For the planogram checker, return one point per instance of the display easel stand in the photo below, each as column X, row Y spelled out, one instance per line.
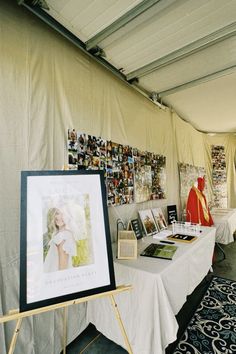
column 18, row 316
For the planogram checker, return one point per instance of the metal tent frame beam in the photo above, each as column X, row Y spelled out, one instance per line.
column 198, row 81
column 45, row 17
column 120, row 22
column 202, row 43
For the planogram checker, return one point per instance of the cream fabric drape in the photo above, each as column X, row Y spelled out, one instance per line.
column 189, row 143
column 47, row 86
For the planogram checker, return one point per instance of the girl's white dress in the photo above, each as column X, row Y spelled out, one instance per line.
column 51, row 263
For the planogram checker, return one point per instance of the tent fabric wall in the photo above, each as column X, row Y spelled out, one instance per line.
column 189, row 143
column 47, row 86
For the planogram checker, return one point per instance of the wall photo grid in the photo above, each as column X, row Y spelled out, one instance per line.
column 219, row 178
column 132, row 175
column 188, row 175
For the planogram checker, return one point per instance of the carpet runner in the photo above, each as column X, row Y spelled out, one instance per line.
column 212, row 329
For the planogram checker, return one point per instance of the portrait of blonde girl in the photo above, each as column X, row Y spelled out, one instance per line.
column 59, row 242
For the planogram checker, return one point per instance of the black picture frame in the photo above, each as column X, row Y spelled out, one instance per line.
column 135, row 226
column 65, row 244
column 148, row 222
column 171, row 214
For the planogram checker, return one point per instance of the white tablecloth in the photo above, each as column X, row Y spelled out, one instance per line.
column 225, row 223
column 160, row 288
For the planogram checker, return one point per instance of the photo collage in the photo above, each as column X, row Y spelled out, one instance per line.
column 131, row 175
column 219, row 180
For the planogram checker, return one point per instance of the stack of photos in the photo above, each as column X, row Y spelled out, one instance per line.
column 153, row 221
column 219, row 180
column 188, row 175
column 131, row 175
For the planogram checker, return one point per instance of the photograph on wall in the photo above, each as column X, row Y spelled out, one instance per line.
column 96, row 148
column 219, row 179
column 85, row 151
column 158, row 164
column 120, row 185
column 148, row 222
column 72, row 140
column 72, row 146
column 159, row 218
column 142, row 177
column 65, row 250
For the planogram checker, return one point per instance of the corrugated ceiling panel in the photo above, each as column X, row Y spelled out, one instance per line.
column 87, row 18
column 162, row 6
column 167, row 26
column 192, row 67
column 181, row 23
column 210, row 106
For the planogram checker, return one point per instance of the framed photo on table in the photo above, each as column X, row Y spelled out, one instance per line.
column 148, row 222
column 171, row 214
column 159, row 218
column 135, row 226
column 65, row 246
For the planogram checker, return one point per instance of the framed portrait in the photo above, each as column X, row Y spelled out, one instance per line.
column 65, row 245
column 148, row 222
column 159, row 219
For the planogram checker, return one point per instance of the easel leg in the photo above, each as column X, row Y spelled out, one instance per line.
column 115, row 307
column 65, row 313
column 15, row 336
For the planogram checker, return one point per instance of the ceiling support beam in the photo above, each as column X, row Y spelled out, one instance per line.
column 201, row 80
column 45, row 17
column 202, row 43
column 120, row 22
column 36, row 10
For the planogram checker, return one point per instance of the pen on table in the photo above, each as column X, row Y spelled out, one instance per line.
column 169, row 242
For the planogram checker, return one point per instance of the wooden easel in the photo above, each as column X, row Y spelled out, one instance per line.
column 18, row 316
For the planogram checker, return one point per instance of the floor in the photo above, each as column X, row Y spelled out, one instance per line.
column 93, row 342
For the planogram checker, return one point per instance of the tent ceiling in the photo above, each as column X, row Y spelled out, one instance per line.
column 179, row 52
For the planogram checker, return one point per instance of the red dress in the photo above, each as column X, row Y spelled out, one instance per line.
column 197, row 210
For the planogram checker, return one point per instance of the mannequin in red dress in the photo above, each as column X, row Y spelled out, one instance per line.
column 197, row 210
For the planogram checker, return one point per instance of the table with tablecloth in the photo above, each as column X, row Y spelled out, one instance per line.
column 225, row 223
column 160, row 288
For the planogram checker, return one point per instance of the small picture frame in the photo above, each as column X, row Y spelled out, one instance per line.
column 171, row 214
column 65, row 246
column 135, row 226
column 148, row 222
column 159, row 218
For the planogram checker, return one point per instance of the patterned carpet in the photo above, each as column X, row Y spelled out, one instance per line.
column 212, row 329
